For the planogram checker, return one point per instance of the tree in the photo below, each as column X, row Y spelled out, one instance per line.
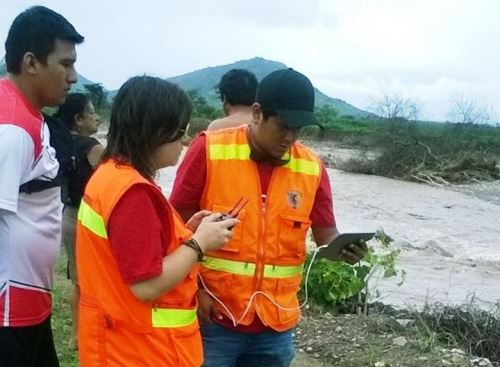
column 97, row 95
column 326, row 115
column 469, row 109
column 396, row 107
column 201, row 108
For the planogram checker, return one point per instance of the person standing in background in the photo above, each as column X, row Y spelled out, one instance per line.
column 237, row 92
column 79, row 115
column 40, row 57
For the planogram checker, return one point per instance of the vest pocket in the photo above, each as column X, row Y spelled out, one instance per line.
column 187, row 345
column 286, row 296
column 92, row 336
column 291, row 237
column 233, row 245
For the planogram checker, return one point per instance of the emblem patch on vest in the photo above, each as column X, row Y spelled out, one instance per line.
column 294, row 199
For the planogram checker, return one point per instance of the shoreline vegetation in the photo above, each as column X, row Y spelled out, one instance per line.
column 431, row 152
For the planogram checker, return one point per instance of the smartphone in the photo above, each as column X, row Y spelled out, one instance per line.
column 333, row 249
column 233, row 213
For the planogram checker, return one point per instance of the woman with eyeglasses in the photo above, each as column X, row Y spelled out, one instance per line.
column 137, row 260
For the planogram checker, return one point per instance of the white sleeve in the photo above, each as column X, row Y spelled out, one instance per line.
column 16, row 159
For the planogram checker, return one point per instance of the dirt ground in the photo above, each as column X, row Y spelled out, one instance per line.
column 375, row 340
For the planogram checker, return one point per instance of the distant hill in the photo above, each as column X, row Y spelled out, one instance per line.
column 78, row 87
column 205, row 82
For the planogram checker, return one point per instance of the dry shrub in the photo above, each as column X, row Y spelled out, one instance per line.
column 476, row 331
column 414, row 160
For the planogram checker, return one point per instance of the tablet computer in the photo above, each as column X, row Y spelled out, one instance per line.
column 344, row 239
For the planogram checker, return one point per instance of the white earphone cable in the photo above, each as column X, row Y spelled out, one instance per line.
column 233, row 318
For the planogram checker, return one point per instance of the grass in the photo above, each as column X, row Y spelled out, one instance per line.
column 61, row 317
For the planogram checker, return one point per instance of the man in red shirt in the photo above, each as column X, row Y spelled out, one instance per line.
column 40, row 57
column 237, row 92
column 249, row 316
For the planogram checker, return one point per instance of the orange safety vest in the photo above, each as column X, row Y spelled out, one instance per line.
column 116, row 328
column 267, row 251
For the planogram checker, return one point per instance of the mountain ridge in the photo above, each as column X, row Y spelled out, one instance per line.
column 205, row 81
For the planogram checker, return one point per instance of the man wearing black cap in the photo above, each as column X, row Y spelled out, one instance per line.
column 248, row 298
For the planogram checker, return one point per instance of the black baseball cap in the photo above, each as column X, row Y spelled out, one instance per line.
column 291, row 95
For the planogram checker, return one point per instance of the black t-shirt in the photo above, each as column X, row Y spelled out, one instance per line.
column 84, row 170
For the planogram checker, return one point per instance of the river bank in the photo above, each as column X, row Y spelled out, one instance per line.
column 449, row 236
column 450, row 250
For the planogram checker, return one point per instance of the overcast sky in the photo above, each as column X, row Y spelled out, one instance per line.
column 355, row 50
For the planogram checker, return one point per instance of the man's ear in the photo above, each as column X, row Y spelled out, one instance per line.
column 29, row 63
column 256, row 113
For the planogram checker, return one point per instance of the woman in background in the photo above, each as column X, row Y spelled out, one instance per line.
column 137, row 260
column 79, row 115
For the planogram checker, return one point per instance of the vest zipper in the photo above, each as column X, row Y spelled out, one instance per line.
column 260, row 247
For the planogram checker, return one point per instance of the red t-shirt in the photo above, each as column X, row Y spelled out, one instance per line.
column 138, row 236
column 192, row 173
column 188, row 189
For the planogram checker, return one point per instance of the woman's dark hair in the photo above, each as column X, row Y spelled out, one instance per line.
column 146, row 113
column 36, row 30
column 74, row 104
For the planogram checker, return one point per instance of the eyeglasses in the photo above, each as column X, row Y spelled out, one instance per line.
column 178, row 134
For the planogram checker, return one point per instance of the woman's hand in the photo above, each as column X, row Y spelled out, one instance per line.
column 196, row 219
column 213, row 233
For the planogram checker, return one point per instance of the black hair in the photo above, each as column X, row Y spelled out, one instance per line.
column 267, row 111
column 146, row 113
column 238, row 87
column 36, row 30
column 74, row 104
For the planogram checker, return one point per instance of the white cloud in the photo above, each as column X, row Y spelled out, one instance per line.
column 350, row 49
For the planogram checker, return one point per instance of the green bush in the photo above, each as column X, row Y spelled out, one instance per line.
column 197, row 125
column 345, row 287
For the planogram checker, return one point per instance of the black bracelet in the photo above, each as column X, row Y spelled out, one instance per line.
column 195, row 246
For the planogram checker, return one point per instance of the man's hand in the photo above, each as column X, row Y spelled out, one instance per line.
column 354, row 252
column 207, row 308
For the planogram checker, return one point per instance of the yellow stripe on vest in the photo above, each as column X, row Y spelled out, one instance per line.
column 242, row 268
column 91, row 220
column 171, row 318
column 303, row 166
column 230, row 151
column 229, row 266
column 274, row 271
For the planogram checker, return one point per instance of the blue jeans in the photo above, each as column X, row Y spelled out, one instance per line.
column 227, row 348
